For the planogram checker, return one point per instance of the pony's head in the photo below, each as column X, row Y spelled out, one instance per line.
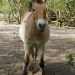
column 39, row 11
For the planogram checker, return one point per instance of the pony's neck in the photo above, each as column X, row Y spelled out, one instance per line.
column 26, row 16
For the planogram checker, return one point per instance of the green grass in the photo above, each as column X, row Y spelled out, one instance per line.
column 4, row 6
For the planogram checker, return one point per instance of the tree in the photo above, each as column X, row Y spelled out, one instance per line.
column 70, row 7
column 18, row 8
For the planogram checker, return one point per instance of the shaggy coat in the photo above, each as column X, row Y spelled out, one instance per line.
column 32, row 37
column 29, row 34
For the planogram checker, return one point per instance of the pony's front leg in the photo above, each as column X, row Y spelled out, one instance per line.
column 26, row 63
column 26, row 59
column 42, row 63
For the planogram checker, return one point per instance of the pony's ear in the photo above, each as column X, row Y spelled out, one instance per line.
column 39, row 1
column 45, row 0
column 30, row 5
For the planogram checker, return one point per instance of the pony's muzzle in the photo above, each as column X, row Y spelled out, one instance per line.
column 42, row 27
column 41, row 24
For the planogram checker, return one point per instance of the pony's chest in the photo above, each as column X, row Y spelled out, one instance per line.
column 33, row 34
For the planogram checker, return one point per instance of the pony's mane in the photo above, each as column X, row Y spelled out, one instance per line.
column 26, row 16
column 34, row 1
column 38, row 1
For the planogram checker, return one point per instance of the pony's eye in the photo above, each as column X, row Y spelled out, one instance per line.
column 33, row 9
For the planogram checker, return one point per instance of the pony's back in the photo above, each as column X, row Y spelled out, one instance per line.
column 24, row 22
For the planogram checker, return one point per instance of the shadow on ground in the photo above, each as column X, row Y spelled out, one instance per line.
column 58, row 69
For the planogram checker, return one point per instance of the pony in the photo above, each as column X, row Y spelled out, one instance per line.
column 34, row 32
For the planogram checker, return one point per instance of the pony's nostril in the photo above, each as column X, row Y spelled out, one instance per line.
column 41, row 25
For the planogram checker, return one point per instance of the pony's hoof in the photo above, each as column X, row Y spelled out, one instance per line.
column 34, row 68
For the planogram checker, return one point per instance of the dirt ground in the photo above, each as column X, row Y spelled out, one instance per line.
column 61, row 42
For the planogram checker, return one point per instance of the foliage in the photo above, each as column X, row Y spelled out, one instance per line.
column 70, row 7
column 16, row 8
column 70, row 59
column 59, row 4
column 56, row 4
column 1, row 2
column 65, row 9
column 4, row 6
